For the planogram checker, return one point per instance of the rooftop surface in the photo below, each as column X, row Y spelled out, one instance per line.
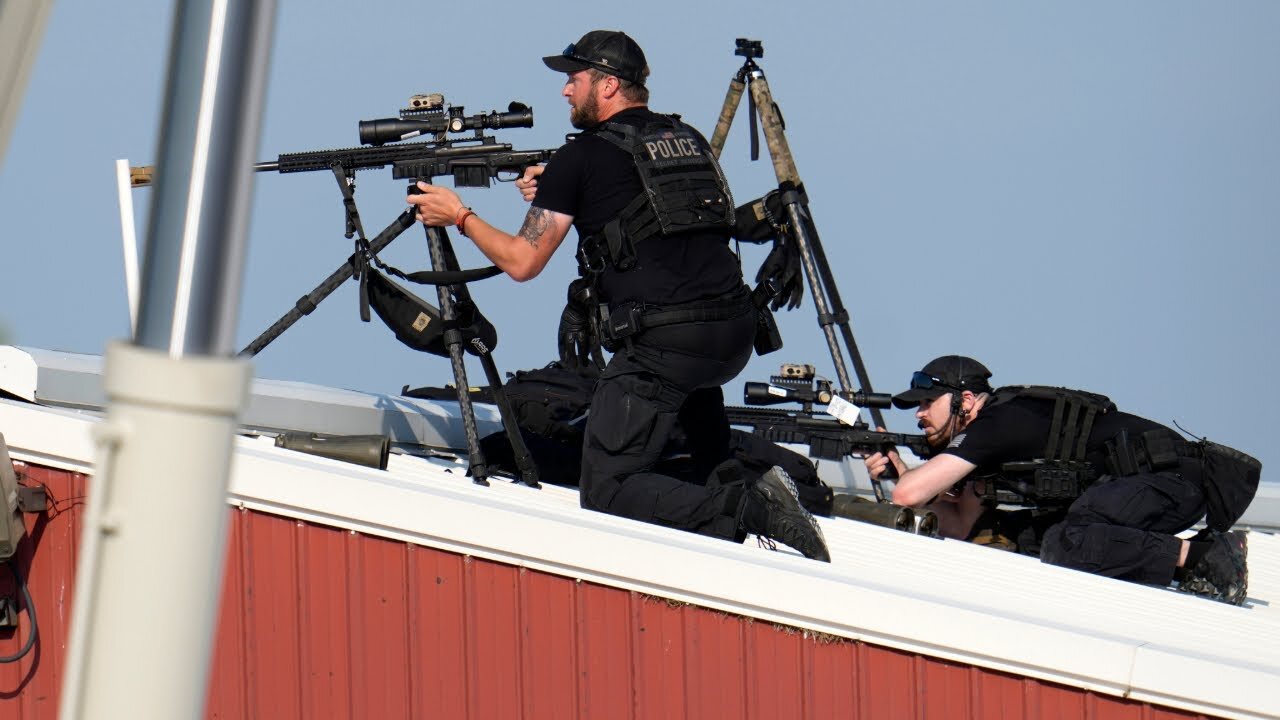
column 942, row 598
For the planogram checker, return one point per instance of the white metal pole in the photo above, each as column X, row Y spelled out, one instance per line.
column 129, row 237
column 152, row 547
column 21, row 30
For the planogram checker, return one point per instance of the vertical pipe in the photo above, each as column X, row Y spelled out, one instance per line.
column 195, row 236
column 129, row 239
column 21, row 30
column 153, row 544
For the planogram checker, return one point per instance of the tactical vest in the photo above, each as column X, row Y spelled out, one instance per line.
column 684, row 191
column 1062, row 473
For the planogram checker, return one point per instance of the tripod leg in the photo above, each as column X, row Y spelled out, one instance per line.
column 816, row 269
column 308, row 302
column 842, row 318
column 437, row 242
column 784, row 166
column 801, row 236
column 785, row 169
column 727, row 111
column 524, row 460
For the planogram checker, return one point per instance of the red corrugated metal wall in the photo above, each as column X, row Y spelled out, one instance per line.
column 324, row 623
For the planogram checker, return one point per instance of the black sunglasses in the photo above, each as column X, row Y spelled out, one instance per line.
column 925, row 381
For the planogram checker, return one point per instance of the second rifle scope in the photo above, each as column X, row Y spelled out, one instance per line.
column 758, row 393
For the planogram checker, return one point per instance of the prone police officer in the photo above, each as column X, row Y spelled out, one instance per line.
column 658, row 282
column 1124, row 485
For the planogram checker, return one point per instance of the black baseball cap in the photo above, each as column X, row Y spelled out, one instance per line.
column 949, row 373
column 609, row 51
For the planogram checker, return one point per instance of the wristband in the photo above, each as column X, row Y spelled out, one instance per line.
column 461, row 222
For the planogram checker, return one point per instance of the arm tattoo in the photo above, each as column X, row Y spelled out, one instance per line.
column 535, row 223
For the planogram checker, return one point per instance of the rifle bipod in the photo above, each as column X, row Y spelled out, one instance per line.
column 444, row 260
column 817, row 271
column 450, row 281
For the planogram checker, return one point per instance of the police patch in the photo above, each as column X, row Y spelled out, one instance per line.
column 955, row 441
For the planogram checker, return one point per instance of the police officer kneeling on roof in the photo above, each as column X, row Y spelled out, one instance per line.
column 1124, row 485
column 653, row 214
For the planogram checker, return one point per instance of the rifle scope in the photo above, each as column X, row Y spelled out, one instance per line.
column 385, row 130
column 758, row 393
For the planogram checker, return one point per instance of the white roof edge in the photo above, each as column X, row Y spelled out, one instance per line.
column 19, row 370
column 74, row 380
column 421, row 502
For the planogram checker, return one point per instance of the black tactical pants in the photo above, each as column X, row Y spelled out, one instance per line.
column 1124, row 527
column 675, row 373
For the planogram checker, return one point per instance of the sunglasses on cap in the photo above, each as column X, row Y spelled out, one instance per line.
column 924, row 381
column 571, row 53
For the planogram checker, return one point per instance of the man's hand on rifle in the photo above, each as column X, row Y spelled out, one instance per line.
column 527, row 183
column 876, row 463
column 437, row 206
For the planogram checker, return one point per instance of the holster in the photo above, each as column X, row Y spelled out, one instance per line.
column 621, row 250
column 767, row 338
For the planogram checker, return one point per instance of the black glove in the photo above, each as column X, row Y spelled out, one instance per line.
column 782, row 270
column 578, row 337
column 572, row 338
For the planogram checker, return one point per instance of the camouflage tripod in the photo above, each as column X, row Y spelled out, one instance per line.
column 826, row 297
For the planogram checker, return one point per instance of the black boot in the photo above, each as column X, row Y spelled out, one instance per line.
column 771, row 508
column 1223, row 573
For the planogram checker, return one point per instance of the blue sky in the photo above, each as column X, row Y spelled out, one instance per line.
column 1078, row 194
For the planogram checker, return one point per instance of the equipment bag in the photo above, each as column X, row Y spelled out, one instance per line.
column 551, row 401
column 1230, row 482
column 418, row 324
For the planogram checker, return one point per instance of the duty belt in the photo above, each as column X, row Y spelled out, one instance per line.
column 621, row 323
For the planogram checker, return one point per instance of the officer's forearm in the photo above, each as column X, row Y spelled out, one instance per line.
column 919, row 485
column 512, row 254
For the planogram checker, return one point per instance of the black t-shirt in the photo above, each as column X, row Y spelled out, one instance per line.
column 593, row 180
column 1018, row 430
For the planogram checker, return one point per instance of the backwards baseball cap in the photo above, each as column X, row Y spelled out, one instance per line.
column 609, row 51
column 949, row 373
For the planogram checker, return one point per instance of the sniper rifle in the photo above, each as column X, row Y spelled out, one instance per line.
column 826, row 437
column 472, row 162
